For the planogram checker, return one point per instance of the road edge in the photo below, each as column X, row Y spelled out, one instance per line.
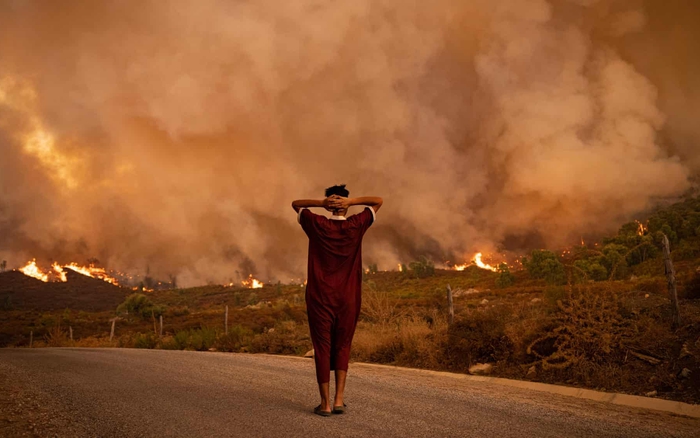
column 633, row 401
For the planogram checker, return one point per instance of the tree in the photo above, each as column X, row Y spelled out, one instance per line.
column 253, row 299
column 141, row 305
column 422, row 267
column 505, row 277
column 544, row 264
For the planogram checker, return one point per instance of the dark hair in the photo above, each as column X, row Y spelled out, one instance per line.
column 337, row 190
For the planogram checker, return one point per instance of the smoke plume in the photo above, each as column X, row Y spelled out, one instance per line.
column 174, row 135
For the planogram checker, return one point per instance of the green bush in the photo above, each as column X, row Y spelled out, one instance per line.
column 140, row 305
column 238, row 338
column 590, row 269
column 553, row 294
column 145, row 340
column 422, row 268
column 505, row 278
column 253, row 299
column 196, row 339
column 545, row 265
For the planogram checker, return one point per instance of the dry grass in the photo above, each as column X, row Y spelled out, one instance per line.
column 581, row 336
column 406, row 341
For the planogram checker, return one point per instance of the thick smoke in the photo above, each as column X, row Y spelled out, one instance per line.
column 174, row 135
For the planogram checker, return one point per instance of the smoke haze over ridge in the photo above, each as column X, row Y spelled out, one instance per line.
column 176, row 134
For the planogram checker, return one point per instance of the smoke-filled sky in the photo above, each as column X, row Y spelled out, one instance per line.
column 175, row 134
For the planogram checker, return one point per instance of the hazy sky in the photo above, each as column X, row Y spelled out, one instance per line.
column 175, row 134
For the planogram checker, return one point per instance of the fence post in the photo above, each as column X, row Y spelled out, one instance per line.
column 671, row 279
column 70, row 332
column 226, row 321
column 161, row 326
column 31, row 338
column 111, row 333
column 450, row 306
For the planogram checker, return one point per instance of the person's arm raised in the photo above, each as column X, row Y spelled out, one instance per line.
column 344, row 203
column 310, row 203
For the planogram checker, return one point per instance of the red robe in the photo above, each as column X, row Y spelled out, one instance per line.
column 334, row 285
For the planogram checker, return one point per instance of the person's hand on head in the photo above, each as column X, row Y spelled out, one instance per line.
column 327, row 203
column 340, row 203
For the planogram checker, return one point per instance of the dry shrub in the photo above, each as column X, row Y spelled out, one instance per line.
column 93, row 342
column 57, row 337
column 379, row 307
column 527, row 323
column 408, row 341
column 478, row 336
column 237, row 339
column 654, row 285
column 691, row 290
column 588, row 329
column 287, row 337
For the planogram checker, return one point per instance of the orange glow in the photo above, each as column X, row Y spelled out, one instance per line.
column 482, row 265
column 58, row 272
column 92, row 271
column 641, row 229
column 32, row 270
column 253, row 283
column 37, row 141
column 476, row 260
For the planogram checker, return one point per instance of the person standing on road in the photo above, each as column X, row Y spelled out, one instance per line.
column 334, row 284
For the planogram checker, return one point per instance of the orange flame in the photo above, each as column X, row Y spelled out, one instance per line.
column 476, row 261
column 92, row 271
column 32, row 270
column 482, row 265
column 641, row 229
column 253, row 283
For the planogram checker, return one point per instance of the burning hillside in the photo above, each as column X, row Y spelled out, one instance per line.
column 476, row 261
column 77, row 292
column 58, row 272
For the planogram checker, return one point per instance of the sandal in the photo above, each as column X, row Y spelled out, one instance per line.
column 338, row 410
column 318, row 411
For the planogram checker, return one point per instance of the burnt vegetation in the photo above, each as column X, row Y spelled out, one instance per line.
column 595, row 316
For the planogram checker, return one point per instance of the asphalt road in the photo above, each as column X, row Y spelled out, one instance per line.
column 155, row 393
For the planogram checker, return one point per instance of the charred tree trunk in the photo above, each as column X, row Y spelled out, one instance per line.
column 671, row 279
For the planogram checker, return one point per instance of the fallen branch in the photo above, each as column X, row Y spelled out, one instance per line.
column 644, row 357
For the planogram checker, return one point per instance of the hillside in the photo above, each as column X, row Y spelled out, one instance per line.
column 595, row 317
column 78, row 293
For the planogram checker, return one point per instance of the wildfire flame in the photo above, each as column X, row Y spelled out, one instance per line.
column 478, row 262
column 641, row 228
column 482, row 265
column 253, row 283
column 32, row 270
